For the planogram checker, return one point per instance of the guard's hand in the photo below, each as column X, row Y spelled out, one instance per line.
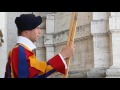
column 67, row 52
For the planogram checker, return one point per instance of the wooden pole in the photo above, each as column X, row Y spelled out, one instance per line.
column 71, row 36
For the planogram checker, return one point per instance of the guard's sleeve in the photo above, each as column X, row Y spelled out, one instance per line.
column 42, row 69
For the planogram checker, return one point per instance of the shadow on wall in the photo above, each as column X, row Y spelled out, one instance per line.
column 1, row 38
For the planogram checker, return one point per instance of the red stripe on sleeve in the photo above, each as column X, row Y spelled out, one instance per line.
column 57, row 64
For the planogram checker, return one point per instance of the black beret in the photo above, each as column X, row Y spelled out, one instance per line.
column 27, row 22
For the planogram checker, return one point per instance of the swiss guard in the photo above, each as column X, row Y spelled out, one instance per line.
column 22, row 62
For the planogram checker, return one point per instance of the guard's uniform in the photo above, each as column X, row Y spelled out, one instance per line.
column 22, row 62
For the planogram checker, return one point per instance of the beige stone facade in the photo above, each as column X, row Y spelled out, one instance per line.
column 97, row 41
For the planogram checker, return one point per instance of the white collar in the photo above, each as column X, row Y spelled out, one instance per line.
column 25, row 41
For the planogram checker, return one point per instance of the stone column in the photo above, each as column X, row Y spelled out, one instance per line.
column 100, row 45
column 114, row 34
column 3, row 46
column 48, row 38
column 41, row 50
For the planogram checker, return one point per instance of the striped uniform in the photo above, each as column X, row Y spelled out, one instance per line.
column 22, row 63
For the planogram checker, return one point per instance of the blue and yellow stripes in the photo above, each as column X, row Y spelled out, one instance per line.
column 23, row 68
column 23, row 64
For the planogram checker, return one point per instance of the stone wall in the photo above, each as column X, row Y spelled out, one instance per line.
column 3, row 46
column 82, row 60
column 114, row 35
column 92, row 55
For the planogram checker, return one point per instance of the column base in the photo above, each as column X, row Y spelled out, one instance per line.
column 72, row 74
column 97, row 73
column 78, row 74
column 113, row 72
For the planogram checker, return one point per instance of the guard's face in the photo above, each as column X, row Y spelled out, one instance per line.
column 34, row 34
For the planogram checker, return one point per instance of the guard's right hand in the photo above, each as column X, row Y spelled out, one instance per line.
column 68, row 51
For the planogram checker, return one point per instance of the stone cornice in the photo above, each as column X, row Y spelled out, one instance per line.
column 99, row 34
column 82, row 32
column 76, row 39
column 113, row 31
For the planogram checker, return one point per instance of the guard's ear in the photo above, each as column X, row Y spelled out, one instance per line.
column 26, row 31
